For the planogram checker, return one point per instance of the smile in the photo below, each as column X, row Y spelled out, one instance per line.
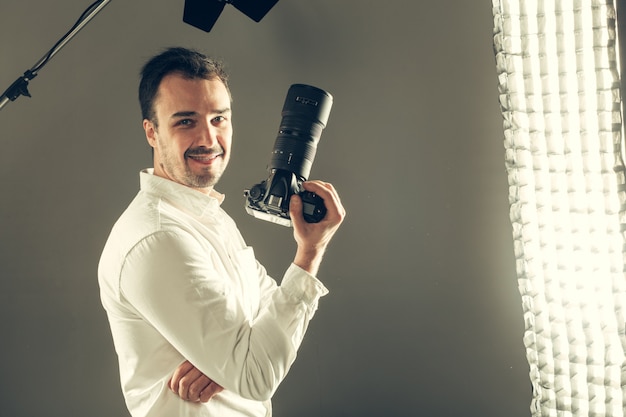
column 205, row 158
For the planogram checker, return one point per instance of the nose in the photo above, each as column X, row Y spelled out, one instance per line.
column 207, row 135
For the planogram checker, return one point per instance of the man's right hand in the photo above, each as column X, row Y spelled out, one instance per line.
column 192, row 385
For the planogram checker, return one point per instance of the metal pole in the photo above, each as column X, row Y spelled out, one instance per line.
column 20, row 86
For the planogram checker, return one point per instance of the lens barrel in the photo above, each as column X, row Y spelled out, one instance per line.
column 304, row 116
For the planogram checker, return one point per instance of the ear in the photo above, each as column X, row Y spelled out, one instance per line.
column 150, row 130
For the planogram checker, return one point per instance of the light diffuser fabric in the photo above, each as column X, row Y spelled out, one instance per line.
column 559, row 93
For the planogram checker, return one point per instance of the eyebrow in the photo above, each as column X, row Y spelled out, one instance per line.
column 193, row 113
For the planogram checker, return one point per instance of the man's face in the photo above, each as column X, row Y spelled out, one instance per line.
column 192, row 142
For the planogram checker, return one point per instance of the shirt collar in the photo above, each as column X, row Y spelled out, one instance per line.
column 178, row 194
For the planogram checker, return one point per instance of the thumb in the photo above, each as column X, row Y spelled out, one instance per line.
column 295, row 209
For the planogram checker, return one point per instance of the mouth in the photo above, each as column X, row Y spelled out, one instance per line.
column 205, row 158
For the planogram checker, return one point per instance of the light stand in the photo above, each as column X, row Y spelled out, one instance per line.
column 20, row 86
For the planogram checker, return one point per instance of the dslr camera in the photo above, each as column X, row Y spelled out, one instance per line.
column 304, row 116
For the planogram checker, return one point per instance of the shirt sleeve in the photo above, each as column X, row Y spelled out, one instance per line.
column 171, row 282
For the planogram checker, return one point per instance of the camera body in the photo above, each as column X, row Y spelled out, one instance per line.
column 269, row 200
column 304, row 116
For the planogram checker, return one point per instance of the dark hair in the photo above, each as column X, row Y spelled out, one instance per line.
column 187, row 62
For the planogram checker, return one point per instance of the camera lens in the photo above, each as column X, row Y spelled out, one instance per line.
column 304, row 116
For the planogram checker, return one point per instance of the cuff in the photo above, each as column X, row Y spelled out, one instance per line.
column 303, row 286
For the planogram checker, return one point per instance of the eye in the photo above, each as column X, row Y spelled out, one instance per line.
column 218, row 120
column 184, row 122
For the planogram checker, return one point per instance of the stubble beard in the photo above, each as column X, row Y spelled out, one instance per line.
column 186, row 176
column 201, row 180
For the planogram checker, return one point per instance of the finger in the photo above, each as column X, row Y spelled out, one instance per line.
column 197, row 386
column 181, row 371
column 186, row 382
column 321, row 188
column 295, row 210
column 330, row 196
column 210, row 391
column 315, row 186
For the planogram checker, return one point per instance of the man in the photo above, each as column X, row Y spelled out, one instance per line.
column 199, row 328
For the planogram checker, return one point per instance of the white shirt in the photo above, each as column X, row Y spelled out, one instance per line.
column 178, row 282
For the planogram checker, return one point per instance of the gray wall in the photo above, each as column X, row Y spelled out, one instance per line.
column 424, row 317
